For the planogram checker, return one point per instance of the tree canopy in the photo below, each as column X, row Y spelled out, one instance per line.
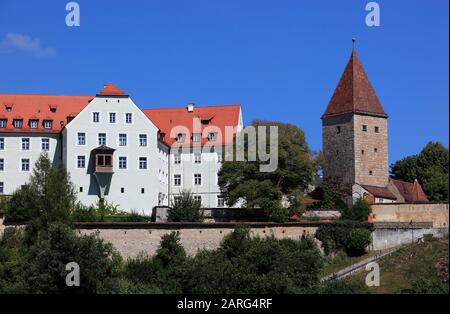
column 242, row 181
column 429, row 167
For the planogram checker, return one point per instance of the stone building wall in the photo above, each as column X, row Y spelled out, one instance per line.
column 338, row 147
column 371, row 151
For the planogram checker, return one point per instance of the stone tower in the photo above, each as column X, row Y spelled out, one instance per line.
column 354, row 131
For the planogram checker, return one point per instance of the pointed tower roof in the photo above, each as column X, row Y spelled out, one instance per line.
column 111, row 90
column 354, row 93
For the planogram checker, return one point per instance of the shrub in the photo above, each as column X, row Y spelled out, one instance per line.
column 358, row 240
column 104, row 211
column 185, row 208
column 360, row 211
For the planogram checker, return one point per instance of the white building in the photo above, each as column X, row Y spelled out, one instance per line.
column 133, row 158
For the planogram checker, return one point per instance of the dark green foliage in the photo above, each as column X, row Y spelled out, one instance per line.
column 343, row 286
column 338, row 235
column 185, row 208
column 429, row 167
column 429, row 285
column 103, row 211
column 243, row 180
column 360, row 211
column 358, row 240
column 332, row 194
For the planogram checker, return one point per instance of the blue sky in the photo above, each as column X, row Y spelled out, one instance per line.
column 280, row 59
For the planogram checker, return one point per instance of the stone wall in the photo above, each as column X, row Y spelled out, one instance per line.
column 132, row 239
column 437, row 213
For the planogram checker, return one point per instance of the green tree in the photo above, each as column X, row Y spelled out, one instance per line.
column 360, row 211
column 429, row 167
column 185, row 208
column 243, row 180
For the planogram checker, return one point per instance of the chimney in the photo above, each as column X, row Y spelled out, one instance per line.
column 190, row 107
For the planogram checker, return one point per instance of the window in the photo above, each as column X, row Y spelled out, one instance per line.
column 3, row 123
column 25, row 144
column 122, row 139
column 362, row 152
column 101, row 138
column 197, row 158
column 219, row 157
column 112, row 117
column 45, row 144
column 122, row 190
column 33, row 124
column 2, row 143
column 142, row 162
column 81, row 189
column 370, row 172
column 1, row 188
column 81, row 162
column 122, row 162
column 196, row 137
column 180, row 137
column 377, row 129
column 142, row 190
column 177, row 179
column 81, row 138
column 104, row 160
column 142, row 140
column 198, row 198
column 129, row 118
column 25, row 164
column 220, row 201
column 96, row 117
column 197, row 179
column 338, row 128
column 364, row 128
column 177, row 158
column 177, row 200
column 337, row 152
column 48, row 124
column 381, row 200
column 375, row 150
column 2, row 164
column 212, row 136
column 17, row 123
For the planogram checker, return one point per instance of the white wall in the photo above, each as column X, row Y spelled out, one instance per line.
column 12, row 176
column 132, row 179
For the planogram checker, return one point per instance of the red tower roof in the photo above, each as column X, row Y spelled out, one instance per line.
column 111, row 90
column 354, row 93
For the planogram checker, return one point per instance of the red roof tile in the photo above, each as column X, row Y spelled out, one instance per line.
column 378, row 191
column 168, row 119
column 29, row 106
column 354, row 93
column 411, row 191
column 111, row 90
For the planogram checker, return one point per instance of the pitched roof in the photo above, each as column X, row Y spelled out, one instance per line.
column 31, row 106
column 209, row 117
column 379, row 191
column 111, row 90
column 354, row 93
column 411, row 191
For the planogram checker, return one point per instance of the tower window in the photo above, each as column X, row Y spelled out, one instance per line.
column 338, row 129
column 122, row 190
column 375, row 150
column 81, row 189
column 377, row 129
column 337, row 151
column 362, row 152
column 142, row 190
column 364, row 128
column 370, row 172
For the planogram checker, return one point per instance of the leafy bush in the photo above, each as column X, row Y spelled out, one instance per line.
column 337, row 235
column 185, row 208
column 104, row 211
column 360, row 211
column 358, row 240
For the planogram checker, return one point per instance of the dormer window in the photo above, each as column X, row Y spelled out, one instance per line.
column 180, row 137
column 34, row 124
column 48, row 124
column 196, row 137
column 3, row 123
column 52, row 108
column 8, row 108
column 17, row 123
column 212, row 136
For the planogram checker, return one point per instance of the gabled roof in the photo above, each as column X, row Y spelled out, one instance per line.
column 354, row 93
column 111, row 90
column 379, row 191
column 31, row 106
column 411, row 191
column 213, row 117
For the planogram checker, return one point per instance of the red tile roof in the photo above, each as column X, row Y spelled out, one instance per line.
column 354, row 93
column 111, row 90
column 208, row 119
column 31, row 106
column 411, row 191
column 378, row 191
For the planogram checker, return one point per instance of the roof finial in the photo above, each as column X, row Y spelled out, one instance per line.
column 353, row 42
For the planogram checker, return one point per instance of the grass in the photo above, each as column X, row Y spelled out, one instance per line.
column 341, row 260
column 402, row 268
